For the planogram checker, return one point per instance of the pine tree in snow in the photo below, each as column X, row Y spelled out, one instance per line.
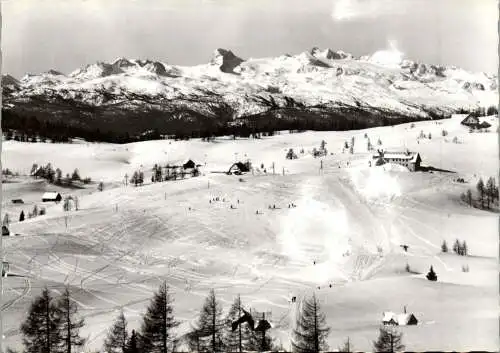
column 490, row 190
column 311, row 331
column 70, row 323
column 444, row 246
column 117, row 338
column 389, row 340
column 6, row 220
column 456, row 247
column 431, row 276
column 481, row 190
column 133, row 343
column 41, row 328
column 157, row 331
column 347, row 346
column 76, row 175
column 211, row 325
column 469, row 197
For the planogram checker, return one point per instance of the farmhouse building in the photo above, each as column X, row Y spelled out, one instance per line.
column 410, row 160
column 51, row 197
column 473, row 122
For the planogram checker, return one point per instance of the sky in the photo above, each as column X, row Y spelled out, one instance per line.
column 38, row 35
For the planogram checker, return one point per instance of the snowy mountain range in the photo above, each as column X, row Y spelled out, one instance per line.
column 325, row 79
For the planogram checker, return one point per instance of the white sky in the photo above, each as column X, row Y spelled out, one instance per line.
column 38, row 35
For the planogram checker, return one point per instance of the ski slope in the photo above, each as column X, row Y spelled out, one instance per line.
column 349, row 219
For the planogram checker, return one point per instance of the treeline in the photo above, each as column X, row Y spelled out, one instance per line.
column 53, row 325
column 102, row 124
column 29, row 128
column 55, row 176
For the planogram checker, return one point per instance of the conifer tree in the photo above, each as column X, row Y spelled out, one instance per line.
column 117, row 338
column 76, row 175
column 34, row 168
column 211, row 325
column 431, row 276
column 157, row 334
column 311, row 331
column 6, row 220
column 490, row 190
column 464, row 249
column 153, row 179
column 347, row 346
column 41, row 328
column 49, row 173
column 70, row 323
column 133, row 343
column 68, row 181
column 159, row 173
column 456, row 247
column 21, row 216
column 444, row 246
column 481, row 190
column 469, row 197
column 389, row 340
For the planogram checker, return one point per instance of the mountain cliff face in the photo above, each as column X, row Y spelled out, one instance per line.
column 383, row 84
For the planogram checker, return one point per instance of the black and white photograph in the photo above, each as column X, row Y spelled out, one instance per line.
column 249, row 176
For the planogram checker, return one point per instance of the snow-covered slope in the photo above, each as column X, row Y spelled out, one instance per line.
column 330, row 78
column 122, row 242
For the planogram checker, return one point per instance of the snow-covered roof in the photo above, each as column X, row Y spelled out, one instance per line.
column 403, row 319
column 412, row 156
column 50, row 195
column 400, row 319
column 388, row 315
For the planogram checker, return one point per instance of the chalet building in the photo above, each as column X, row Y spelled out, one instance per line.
column 51, row 197
column 473, row 122
column 470, row 121
column 189, row 164
column 405, row 319
column 239, row 167
column 18, row 201
column 410, row 160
